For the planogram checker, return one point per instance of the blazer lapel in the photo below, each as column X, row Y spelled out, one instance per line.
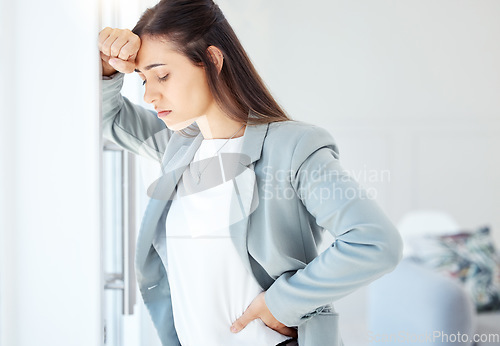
column 174, row 162
column 247, row 200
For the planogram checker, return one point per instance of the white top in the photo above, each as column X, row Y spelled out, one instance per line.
column 210, row 287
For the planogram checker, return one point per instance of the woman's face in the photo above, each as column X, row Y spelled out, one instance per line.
column 172, row 83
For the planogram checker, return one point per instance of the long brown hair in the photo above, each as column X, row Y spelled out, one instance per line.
column 194, row 25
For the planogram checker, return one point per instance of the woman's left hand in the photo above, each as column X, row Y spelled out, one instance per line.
column 258, row 309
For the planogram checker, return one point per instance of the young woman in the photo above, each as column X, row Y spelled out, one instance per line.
column 227, row 253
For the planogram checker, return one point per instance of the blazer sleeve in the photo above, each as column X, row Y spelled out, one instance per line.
column 131, row 126
column 367, row 245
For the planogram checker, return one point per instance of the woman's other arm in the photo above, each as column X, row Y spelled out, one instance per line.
column 130, row 126
column 367, row 245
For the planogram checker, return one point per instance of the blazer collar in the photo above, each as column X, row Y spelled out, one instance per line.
column 253, row 140
column 176, row 159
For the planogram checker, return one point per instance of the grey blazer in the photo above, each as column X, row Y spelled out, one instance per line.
column 301, row 191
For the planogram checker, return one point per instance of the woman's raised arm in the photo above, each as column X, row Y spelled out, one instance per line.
column 130, row 126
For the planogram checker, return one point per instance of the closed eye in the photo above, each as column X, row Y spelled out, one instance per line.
column 161, row 79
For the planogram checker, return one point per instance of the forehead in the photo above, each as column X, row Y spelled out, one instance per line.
column 157, row 51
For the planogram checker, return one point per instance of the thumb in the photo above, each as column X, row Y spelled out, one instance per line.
column 242, row 322
column 122, row 65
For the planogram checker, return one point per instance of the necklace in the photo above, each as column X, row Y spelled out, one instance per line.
column 215, row 154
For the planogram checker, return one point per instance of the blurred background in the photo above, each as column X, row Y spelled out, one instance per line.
column 409, row 89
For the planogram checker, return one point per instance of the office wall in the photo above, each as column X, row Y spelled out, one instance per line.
column 49, row 168
column 408, row 86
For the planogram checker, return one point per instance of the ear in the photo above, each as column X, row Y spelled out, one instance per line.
column 216, row 57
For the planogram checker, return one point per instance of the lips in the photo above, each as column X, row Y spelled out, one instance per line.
column 163, row 113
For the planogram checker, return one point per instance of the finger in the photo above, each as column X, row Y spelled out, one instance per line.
column 104, row 57
column 121, row 65
column 242, row 322
column 103, row 35
column 117, row 45
column 106, row 45
column 129, row 51
column 105, row 32
column 108, row 42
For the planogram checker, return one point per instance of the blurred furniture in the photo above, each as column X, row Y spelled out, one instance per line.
column 415, row 305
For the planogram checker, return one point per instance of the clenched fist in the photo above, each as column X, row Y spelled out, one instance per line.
column 118, row 48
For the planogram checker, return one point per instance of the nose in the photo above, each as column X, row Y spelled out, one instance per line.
column 151, row 94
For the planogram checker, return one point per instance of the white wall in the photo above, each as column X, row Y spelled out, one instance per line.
column 411, row 88
column 50, row 280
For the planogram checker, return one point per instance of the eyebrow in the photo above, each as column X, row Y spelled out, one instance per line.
column 149, row 67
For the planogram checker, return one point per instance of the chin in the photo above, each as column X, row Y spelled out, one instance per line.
column 176, row 125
